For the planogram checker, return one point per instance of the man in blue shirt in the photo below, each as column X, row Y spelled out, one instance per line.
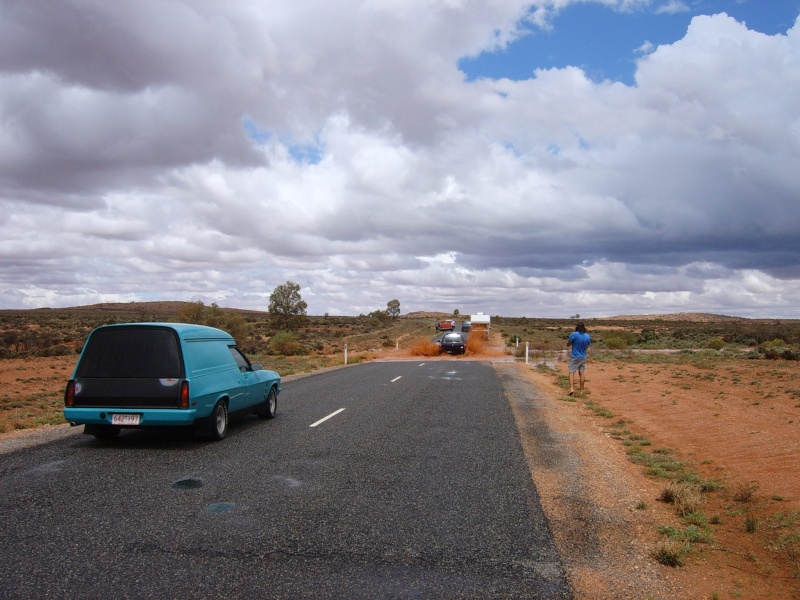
column 579, row 341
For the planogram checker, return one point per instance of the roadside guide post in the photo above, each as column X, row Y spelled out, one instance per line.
column 527, row 345
column 345, row 354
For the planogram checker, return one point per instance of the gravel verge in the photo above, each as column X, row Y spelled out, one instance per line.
column 601, row 509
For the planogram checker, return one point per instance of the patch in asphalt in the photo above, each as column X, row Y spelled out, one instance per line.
column 220, row 507
column 188, row 483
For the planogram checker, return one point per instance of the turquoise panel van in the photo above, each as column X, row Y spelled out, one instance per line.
column 165, row 374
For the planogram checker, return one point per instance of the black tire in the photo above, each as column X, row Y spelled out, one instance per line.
column 217, row 424
column 270, row 406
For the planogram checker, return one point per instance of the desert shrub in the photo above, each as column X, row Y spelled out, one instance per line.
column 746, row 492
column 750, row 523
column 285, row 342
column 616, row 342
column 620, row 339
column 647, row 335
column 773, row 344
column 715, row 343
column 776, row 349
column 710, row 485
column 57, row 350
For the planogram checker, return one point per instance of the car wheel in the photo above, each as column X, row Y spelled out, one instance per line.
column 270, row 406
column 218, row 421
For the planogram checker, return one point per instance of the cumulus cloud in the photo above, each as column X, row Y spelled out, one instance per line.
column 190, row 149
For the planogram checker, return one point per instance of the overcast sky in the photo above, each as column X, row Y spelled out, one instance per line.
column 520, row 158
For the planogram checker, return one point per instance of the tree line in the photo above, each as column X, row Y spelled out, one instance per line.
column 287, row 311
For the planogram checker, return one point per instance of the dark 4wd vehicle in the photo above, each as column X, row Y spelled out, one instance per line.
column 453, row 343
column 165, row 374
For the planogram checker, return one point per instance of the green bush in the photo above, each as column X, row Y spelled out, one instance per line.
column 285, row 343
column 616, row 342
column 620, row 339
column 647, row 335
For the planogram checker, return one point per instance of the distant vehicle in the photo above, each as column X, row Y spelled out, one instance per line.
column 465, row 325
column 453, row 343
column 165, row 374
column 446, row 325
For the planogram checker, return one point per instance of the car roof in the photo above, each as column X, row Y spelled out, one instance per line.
column 186, row 331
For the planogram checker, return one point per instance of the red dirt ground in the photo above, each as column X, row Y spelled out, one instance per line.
column 738, row 422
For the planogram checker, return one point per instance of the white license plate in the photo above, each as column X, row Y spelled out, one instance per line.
column 124, row 419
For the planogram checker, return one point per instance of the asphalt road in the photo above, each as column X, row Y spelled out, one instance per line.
column 418, row 488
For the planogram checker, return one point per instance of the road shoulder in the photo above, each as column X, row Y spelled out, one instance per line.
column 592, row 495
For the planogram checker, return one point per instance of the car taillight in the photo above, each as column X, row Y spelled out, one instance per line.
column 185, row 394
column 69, row 394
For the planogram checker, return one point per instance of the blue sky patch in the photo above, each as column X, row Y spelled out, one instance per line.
column 605, row 43
column 309, row 154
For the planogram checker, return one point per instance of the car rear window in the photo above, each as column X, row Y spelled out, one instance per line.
column 130, row 352
column 452, row 337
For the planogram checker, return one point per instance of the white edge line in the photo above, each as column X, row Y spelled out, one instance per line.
column 421, row 364
column 323, row 419
column 396, row 378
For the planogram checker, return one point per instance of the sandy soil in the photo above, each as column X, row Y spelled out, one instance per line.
column 738, row 423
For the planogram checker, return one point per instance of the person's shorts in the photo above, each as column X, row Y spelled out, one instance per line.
column 577, row 364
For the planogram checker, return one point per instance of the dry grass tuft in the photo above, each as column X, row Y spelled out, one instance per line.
column 746, row 492
column 685, row 497
column 672, row 553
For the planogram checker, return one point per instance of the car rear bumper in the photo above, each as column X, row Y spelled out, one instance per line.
column 147, row 417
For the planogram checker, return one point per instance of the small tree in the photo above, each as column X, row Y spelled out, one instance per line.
column 286, row 306
column 192, row 312
column 393, row 308
column 214, row 316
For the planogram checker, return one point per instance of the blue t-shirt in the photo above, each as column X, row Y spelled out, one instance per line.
column 579, row 342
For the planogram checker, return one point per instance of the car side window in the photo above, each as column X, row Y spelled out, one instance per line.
column 241, row 361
